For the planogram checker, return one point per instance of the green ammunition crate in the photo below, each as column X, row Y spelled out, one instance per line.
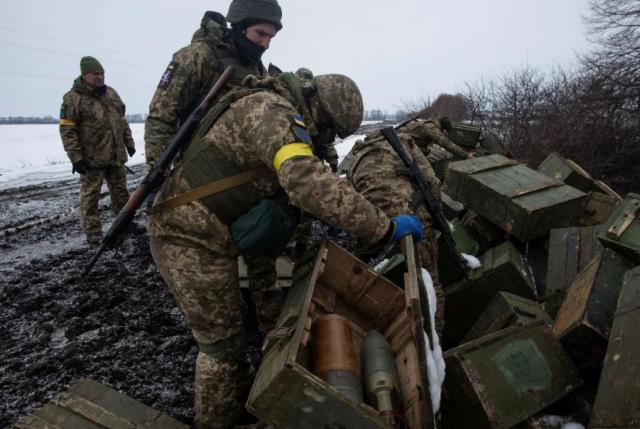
column 521, row 201
column 448, row 270
column 584, row 319
column 567, row 171
column 598, row 208
column 464, row 135
column 618, row 400
column 570, row 251
column 622, row 231
column 439, row 159
column 486, row 234
column 504, row 311
column 493, row 144
column 286, row 394
column 503, row 378
column 503, row 269
column 91, row 405
column 452, row 208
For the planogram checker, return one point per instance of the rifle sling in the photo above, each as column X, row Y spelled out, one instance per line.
column 210, row 189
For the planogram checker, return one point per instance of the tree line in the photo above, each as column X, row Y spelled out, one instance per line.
column 16, row 120
column 589, row 113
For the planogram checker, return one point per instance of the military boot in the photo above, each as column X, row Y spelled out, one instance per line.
column 94, row 238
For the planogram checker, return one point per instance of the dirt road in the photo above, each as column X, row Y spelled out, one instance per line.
column 121, row 327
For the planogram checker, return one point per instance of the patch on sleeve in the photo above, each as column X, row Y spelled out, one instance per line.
column 63, row 113
column 297, row 120
column 301, row 134
column 167, row 76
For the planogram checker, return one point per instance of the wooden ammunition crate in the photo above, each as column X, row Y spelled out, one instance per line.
column 618, row 400
column 485, row 233
column 567, row 171
column 503, row 269
column 286, row 394
column 598, row 208
column 521, row 201
column 622, row 230
column 570, row 251
column 91, row 405
column 464, row 135
column 504, row 311
column 584, row 319
column 439, row 159
column 502, row 379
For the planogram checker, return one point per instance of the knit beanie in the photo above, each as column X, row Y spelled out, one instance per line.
column 90, row 65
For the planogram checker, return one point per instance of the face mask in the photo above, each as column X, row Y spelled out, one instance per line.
column 248, row 52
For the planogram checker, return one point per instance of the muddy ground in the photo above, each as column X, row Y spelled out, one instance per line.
column 121, row 327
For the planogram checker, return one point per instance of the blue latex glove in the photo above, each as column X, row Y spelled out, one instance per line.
column 407, row 224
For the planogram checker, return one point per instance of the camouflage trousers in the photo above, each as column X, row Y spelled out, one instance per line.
column 202, row 274
column 90, row 186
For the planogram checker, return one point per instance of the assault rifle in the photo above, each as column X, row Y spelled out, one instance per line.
column 425, row 195
column 156, row 176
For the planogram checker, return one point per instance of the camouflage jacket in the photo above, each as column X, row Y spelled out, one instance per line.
column 190, row 75
column 428, row 132
column 264, row 130
column 93, row 126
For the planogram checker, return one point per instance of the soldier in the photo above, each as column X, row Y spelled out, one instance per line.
column 194, row 68
column 96, row 136
column 378, row 173
column 265, row 135
column 431, row 131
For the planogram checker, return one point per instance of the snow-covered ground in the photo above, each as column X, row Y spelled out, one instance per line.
column 33, row 154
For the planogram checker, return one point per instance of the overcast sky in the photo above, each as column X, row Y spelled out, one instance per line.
column 396, row 51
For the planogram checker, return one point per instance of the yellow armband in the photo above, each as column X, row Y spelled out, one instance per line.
column 289, row 151
column 67, row 123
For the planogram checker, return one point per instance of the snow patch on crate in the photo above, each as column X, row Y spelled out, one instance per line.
column 472, row 261
column 435, row 361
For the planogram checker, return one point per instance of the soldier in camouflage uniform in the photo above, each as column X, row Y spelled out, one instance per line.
column 195, row 68
column 378, row 173
column 269, row 132
column 96, row 136
column 432, row 131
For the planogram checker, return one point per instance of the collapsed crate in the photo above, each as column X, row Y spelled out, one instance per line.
column 618, row 401
column 502, row 379
column 287, row 394
column 570, row 251
column 91, row 405
column 521, row 201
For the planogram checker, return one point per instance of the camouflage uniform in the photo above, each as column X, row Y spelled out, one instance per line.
column 429, row 132
column 194, row 252
column 94, row 129
column 189, row 77
column 379, row 174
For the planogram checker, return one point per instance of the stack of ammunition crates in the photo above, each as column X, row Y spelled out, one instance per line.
column 556, row 299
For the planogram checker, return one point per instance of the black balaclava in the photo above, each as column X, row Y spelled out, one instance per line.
column 248, row 52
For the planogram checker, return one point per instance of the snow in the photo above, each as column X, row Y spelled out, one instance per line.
column 473, row 262
column 343, row 146
column 33, row 154
column 435, row 361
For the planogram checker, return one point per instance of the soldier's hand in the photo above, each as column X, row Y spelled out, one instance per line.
column 407, row 224
column 131, row 150
column 80, row 167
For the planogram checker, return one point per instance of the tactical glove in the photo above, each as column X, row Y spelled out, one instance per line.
column 131, row 150
column 80, row 167
column 407, row 224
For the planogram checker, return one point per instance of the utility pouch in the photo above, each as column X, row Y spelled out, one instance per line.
column 265, row 229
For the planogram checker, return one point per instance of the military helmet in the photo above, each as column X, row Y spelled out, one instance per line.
column 255, row 11
column 445, row 124
column 341, row 99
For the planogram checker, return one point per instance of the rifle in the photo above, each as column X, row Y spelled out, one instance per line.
column 426, row 196
column 154, row 179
